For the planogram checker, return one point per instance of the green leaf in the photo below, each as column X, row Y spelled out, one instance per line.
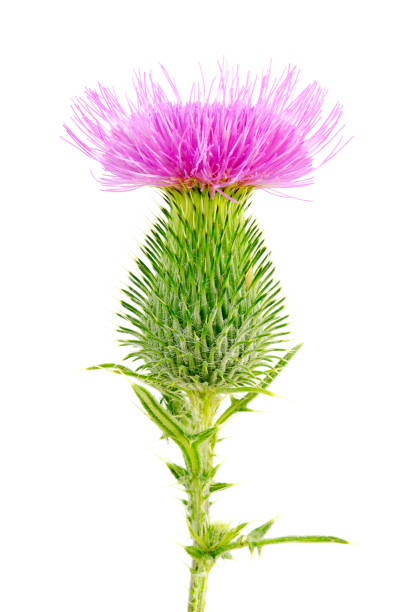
column 201, row 436
column 212, row 472
column 115, row 367
column 159, row 415
column 260, row 532
column 227, row 555
column 118, row 368
column 304, row 539
column 277, row 369
column 251, row 390
column 220, row 486
column 237, row 530
column 237, row 405
column 169, row 425
column 196, row 552
column 244, row 542
column 178, row 472
column 241, row 404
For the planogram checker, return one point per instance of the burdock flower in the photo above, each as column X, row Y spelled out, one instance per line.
column 233, row 131
column 203, row 314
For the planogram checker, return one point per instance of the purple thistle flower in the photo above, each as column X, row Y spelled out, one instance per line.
column 232, row 133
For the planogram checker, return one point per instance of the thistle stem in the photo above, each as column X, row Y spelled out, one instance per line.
column 200, row 569
column 198, row 586
column 198, row 513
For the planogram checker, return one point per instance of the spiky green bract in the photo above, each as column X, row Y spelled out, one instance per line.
column 203, row 310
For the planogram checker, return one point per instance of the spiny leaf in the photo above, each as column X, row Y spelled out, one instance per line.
column 114, row 367
column 241, row 404
column 118, row 368
column 196, row 552
column 237, row 530
column 244, row 542
column 211, row 473
column 178, row 472
column 252, row 390
column 157, row 413
column 280, row 365
column 169, row 425
column 304, row 539
column 260, row 532
column 237, row 405
column 220, row 486
column 201, row 436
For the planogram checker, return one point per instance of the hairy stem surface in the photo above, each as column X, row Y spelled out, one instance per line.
column 198, row 509
column 198, row 587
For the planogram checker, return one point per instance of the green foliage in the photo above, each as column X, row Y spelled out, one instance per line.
column 244, row 542
column 203, row 310
column 214, row 540
column 199, row 437
column 218, row 540
column 220, row 486
column 241, row 404
column 178, row 472
column 283, row 362
column 170, row 427
column 255, row 537
column 260, row 532
column 118, row 368
column 253, row 390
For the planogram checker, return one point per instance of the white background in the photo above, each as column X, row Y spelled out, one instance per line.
column 89, row 517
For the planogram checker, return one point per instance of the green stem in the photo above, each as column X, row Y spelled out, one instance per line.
column 198, row 586
column 198, row 513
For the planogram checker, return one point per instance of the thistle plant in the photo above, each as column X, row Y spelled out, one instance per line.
column 202, row 317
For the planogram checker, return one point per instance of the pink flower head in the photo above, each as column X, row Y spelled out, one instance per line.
column 234, row 132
